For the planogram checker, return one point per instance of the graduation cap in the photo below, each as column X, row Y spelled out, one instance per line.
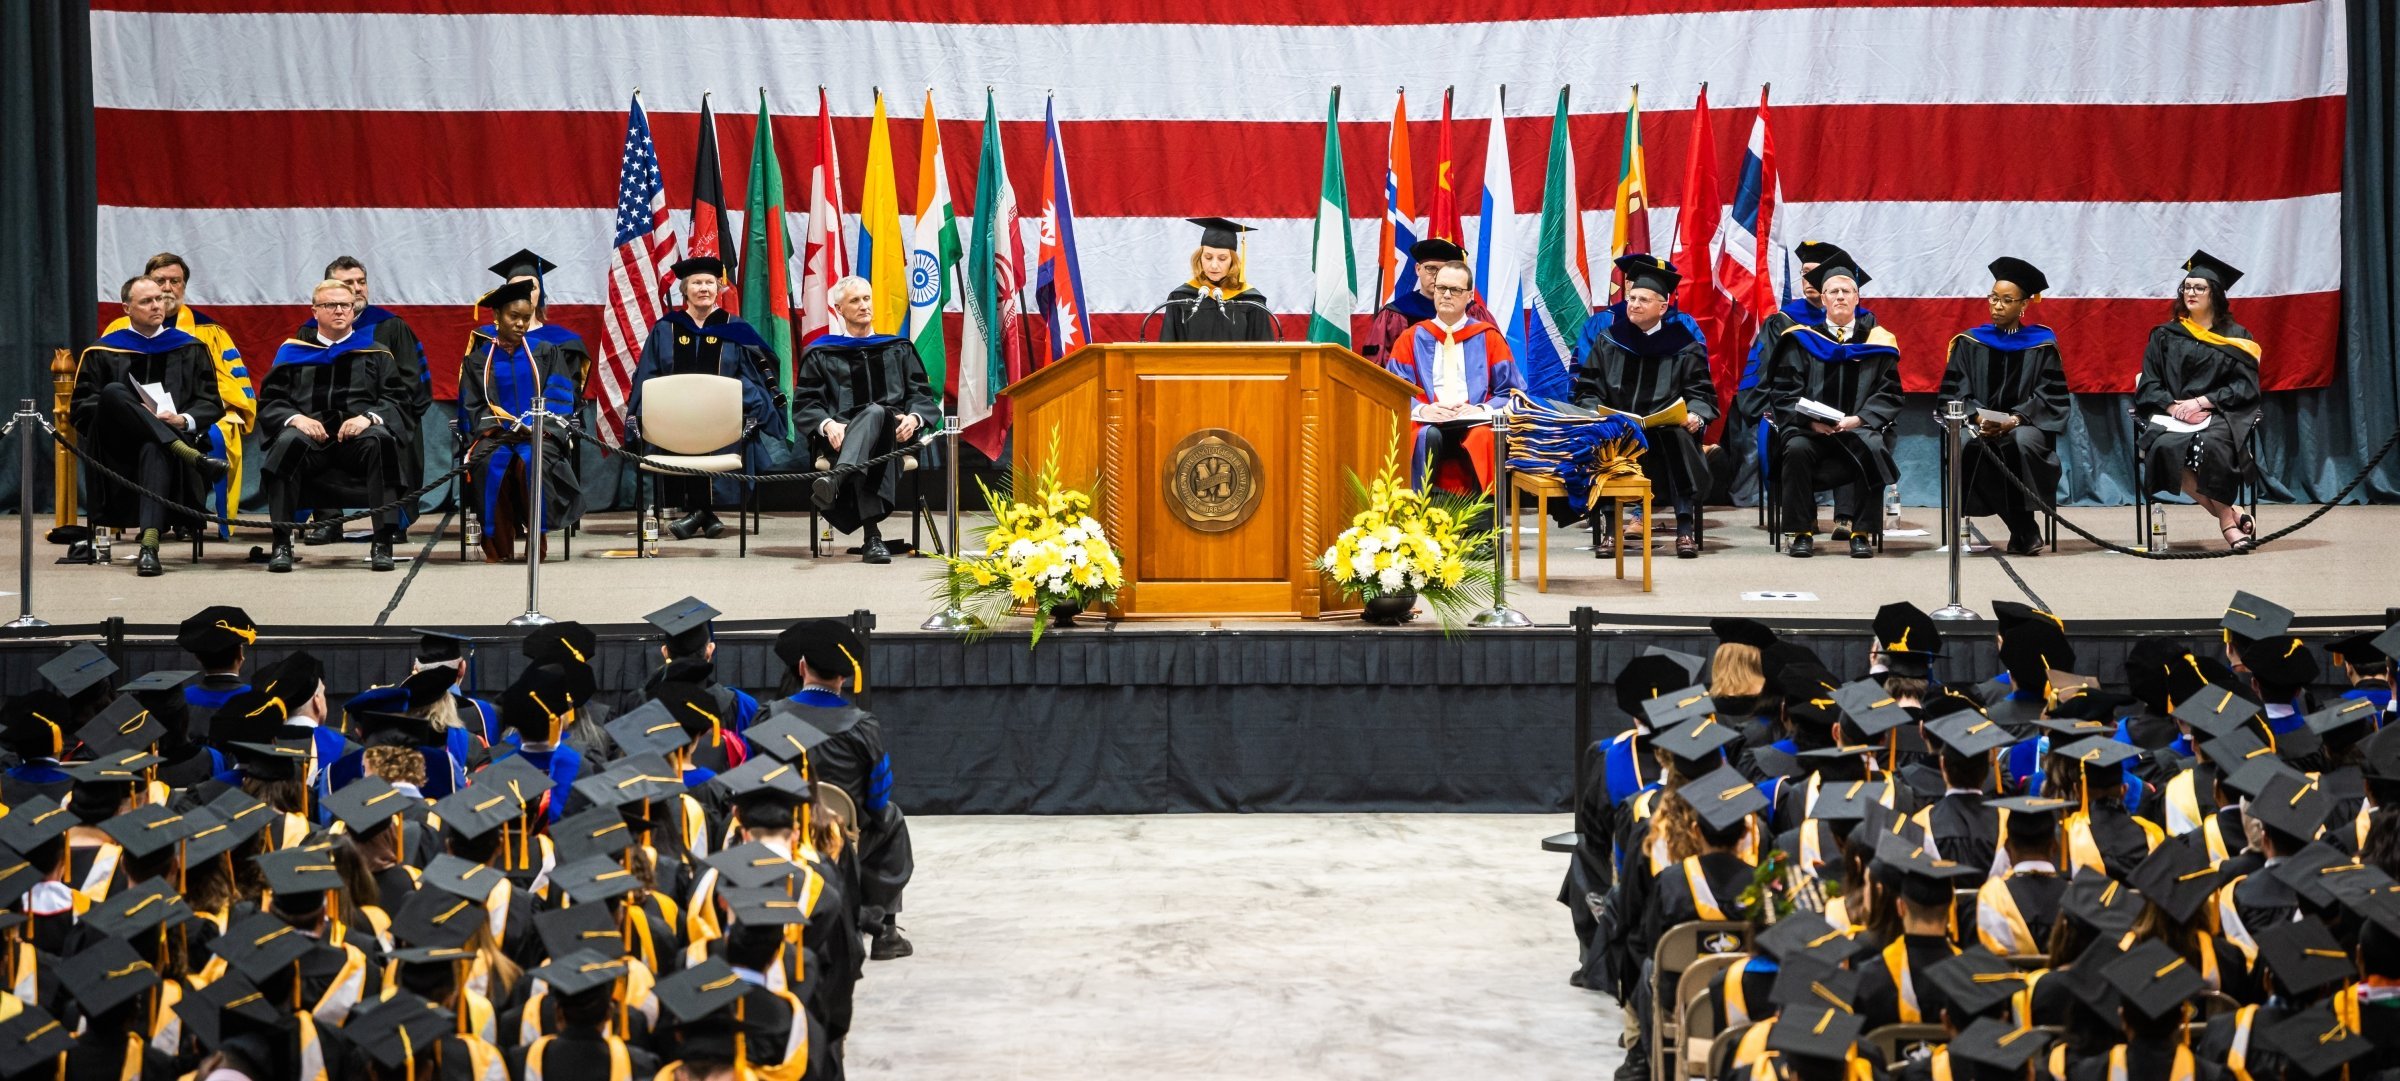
column 1817, row 251
column 295, row 678
column 122, row 767
column 441, row 647
column 541, row 698
column 751, row 864
column 2074, row 728
column 2148, row 665
column 523, row 262
column 1436, row 250
column 1723, row 798
column 2000, row 1045
column 699, row 264
column 1819, row 1033
column 398, row 1030
column 2097, row 752
column 2088, row 705
column 1696, row 740
column 17, row 877
column 594, row 879
column 1970, row 733
column 2210, row 268
column 136, row 909
column 1736, row 630
column 2101, row 903
column 2023, row 275
column 595, row 832
column 1840, row 269
column 241, row 810
column 1646, row 677
column 1645, row 271
column 1693, row 666
column 765, row 906
column 31, row 1038
column 685, row 623
column 2031, row 652
column 2282, row 660
column 2236, row 748
column 249, row 716
column 2030, row 816
column 227, row 1006
column 501, row 296
column 435, row 919
column 1847, row 801
column 125, row 725
column 1976, row 981
column 1871, row 708
column 2251, row 778
column 33, row 823
column 565, row 640
column 106, row 974
column 2176, row 879
column 2344, row 717
column 261, row 945
column 1925, row 877
column 2304, row 957
column 632, row 779
column 367, row 804
column 2293, row 803
column 147, row 830
column 2382, row 752
column 460, row 878
column 2153, row 979
column 299, row 874
column 2387, row 643
column 579, row 929
column 2315, row 1042
column 701, row 990
column 766, row 780
column 791, row 739
column 582, row 970
column 210, row 836
column 1812, row 979
column 2008, row 615
column 1905, row 631
column 650, row 728
column 1675, row 707
column 77, row 670
column 2250, row 616
column 2313, row 871
column 158, row 682
column 1219, row 233
column 278, row 761
column 215, row 629
column 1804, row 932
column 2358, row 649
column 478, row 809
column 827, row 646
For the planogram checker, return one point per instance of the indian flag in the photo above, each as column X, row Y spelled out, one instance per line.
column 933, row 251
column 1336, row 265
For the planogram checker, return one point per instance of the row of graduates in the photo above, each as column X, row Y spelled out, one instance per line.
column 2005, row 833
column 307, row 911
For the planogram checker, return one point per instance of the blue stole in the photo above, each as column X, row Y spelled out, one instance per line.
column 38, row 773
column 2025, row 337
column 1623, row 773
column 563, row 764
column 843, row 341
column 509, row 388
column 127, row 340
column 295, row 351
column 208, row 698
column 2382, row 699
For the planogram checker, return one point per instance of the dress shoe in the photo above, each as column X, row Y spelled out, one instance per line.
column 710, row 526
column 211, row 470
column 280, row 561
column 146, row 564
column 1861, row 547
column 874, row 551
column 2025, row 546
column 322, row 533
column 824, row 490
column 1604, row 545
column 1803, row 546
column 379, row 555
column 890, row 945
column 1687, row 546
column 686, row 527
column 1841, row 529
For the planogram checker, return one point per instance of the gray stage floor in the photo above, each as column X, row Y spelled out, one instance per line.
column 2346, row 563
column 1322, row 947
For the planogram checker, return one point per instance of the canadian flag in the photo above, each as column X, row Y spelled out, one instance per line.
column 825, row 258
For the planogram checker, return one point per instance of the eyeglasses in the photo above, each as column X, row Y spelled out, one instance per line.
column 2190, row 288
column 1996, row 298
column 338, row 305
column 1451, row 290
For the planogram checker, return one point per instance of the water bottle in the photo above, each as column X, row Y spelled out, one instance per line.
column 650, row 528
column 1891, row 507
column 102, row 542
column 474, row 533
column 2158, row 528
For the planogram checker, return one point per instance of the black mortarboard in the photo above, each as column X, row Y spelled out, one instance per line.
column 789, row 738
column 581, row 971
column 2102, row 904
column 210, row 836
column 2090, row 705
column 1871, row 708
column 138, row 908
column 828, row 646
column 261, row 945
column 752, row 864
column 1817, row 251
column 2304, row 957
column 2382, row 752
column 296, row 678
column 698, row 991
column 1436, row 250
column 594, row 879
column 2023, row 275
column 2343, row 717
column 521, row 263
column 33, row 823
column 460, row 877
column 215, row 629
column 17, row 877
column 1696, row 740
column 565, row 640
column 1841, row 750
column 2316, row 1043
column 158, row 682
column 2147, row 667
column 538, row 701
column 380, row 728
column 125, row 725
column 1847, row 801
column 2176, row 879
column 401, row 1030
column 2251, row 778
column 227, row 1006
column 1970, row 733
column 2292, row 803
column 147, row 830
column 1675, row 707
column 1976, row 981
column 77, row 670
column 1925, row 877
column 241, row 810
column 278, row 761
column 434, row 647
column 1723, row 798
column 33, row 724
column 2000, row 1045
column 1843, row 268
column 478, row 809
column 433, row 919
column 2008, row 615
column 249, row 716
column 2357, row 649
column 2235, row 749
column 1693, row 665
column 2153, row 979
column 2071, row 729
column 630, row 779
column 1219, row 233
column 300, row 872
column 1805, row 678
column 105, row 975
column 579, row 929
column 2031, row 651
column 1819, row 1033
column 2313, row 871
column 2299, row 744
column 2387, row 643
column 765, row 779
column 684, row 623
column 505, row 294
column 699, row 264
column 764, row 906
column 1904, row 628
column 2210, row 268
column 597, row 831
column 2250, row 616
column 1742, row 631
column 123, row 767
column 1646, row 677
column 2281, row 660
column 2097, row 752
column 649, row 728
column 31, row 1038
column 1803, row 932
column 367, row 804
column 1647, row 271
column 1812, row 979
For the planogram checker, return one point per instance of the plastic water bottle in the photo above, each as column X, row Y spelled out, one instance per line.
column 1891, row 507
column 103, row 541
column 650, row 528
column 474, row 532
column 2158, row 528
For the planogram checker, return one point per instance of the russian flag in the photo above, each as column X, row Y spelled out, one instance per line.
column 1058, row 279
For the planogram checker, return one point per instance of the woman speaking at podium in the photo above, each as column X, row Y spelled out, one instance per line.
column 1217, row 305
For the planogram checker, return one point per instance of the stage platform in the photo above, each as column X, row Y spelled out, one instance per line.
column 1223, row 715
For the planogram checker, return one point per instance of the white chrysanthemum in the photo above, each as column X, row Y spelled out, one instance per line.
column 1019, row 549
column 1071, row 535
column 1369, row 543
column 1362, row 565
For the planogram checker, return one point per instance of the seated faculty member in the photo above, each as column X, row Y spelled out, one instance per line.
column 2009, row 375
column 1851, row 367
column 328, row 411
column 2198, row 396
column 855, row 396
column 704, row 339
column 156, row 444
column 1463, row 370
column 1635, row 358
column 502, row 373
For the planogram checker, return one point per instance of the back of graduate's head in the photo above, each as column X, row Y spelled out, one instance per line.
column 1964, row 770
column 587, row 1009
column 1720, row 838
column 1734, row 672
column 2030, row 836
column 752, row 945
column 2378, row 951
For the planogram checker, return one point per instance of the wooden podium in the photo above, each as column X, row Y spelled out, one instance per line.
column 1220, row 468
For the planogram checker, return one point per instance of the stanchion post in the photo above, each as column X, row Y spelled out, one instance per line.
column 28, row 426
column 1500, row 614
column 951, row 617
column 1584, row 619
column 537, row 424
column 1954, row 423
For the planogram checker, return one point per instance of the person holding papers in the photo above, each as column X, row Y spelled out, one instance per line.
column 1640, row 357
column 2010, row 376
column 1834, row 389
column 2198, row 398
column 145, row 398
column 1463, row 371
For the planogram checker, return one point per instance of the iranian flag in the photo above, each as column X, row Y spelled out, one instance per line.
column 1335, row 264
column 767, row 251
column 993, row 350
column 933, row 253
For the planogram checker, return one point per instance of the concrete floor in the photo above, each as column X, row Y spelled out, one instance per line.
column 1316, row 947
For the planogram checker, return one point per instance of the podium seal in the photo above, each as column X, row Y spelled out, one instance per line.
column 1212, row 480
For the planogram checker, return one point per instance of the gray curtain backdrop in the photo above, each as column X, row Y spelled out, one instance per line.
column 48, row 203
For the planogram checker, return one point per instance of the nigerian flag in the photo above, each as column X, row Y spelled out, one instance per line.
column 1335, row 264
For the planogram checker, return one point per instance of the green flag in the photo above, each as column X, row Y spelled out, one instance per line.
column 1335, row 264
column 767, row 252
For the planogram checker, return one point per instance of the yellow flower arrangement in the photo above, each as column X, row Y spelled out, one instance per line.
column 1039, row 554
column 1406, row 541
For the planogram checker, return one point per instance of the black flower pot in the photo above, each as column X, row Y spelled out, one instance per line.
column 1062, row 616
column 1391, row 610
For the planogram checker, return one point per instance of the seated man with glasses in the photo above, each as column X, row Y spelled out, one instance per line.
column 327, row 411
column 1463, row 371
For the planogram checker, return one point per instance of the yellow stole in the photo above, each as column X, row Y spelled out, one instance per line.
column 1998, row 921
column 620, row 1063
column 1704, row 900
column 2213, row 338
column 2237, row 1055
column 2184, row 1069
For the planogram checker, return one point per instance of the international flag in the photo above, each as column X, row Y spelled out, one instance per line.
column 933, row 252
column 1331, row 261
column 882, row 254
column 1744, row 244
column 767, row 252
column 1396, row 274
column 1058, row 280
column 1695, row 224
column 644, row 249
column 712, row 221
column 1444, row 223
column 825, row 256
column 993, row 351
column 1499, row 260
column 1562, row 273
column 1632, row 232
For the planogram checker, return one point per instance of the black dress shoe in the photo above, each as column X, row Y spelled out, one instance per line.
column 280, row 561
column 211, row 470
column 322, row 533
column 379, row 555
column 1841, row 529
column 1803, row 546
column 874, row 550
column 1861, row 547
column 1604, row 544
column 890, row 945
column 710, row 527
column 824, row 490
column 1687, row 546
column 146, row 564
column 686, row 527
column 2025, row 546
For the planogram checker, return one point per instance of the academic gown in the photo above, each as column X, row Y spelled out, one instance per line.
column 1879, row 988
column 2177, row 365
column 1861, row 378
column 1488, row 373
column 332, row 384
column 1393, row 320
column 2016, row 373
column 838, row 377
column 2037, row 896
column 735, row 708
column 494, row 386
column 387, row 329
column 723, row 346
column 853, row 759
column 1619, row 367
column 36, row 777
column 1672, row 902
column 234, row 388
column 1192, row 316
column 2146, row 1062
column 1964, row 830
column 172, row 358
column 581, row 1055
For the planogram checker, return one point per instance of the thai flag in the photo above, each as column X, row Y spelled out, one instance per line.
column 1745, row 241
column 1058, row 280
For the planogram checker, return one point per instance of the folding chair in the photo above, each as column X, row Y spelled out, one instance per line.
column 1678, row 949
column 1695, row 1008
column 1898, row 1043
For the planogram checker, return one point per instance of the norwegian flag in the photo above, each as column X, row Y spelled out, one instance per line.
column 645, row 250
column 1745, row 242
column 1058, row 279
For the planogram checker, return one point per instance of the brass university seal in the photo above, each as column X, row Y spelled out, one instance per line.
column 1212, row 480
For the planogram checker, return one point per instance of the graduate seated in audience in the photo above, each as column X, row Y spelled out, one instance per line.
column 2016, row 908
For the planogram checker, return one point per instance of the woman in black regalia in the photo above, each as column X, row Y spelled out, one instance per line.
column 1217, row 305
column 2197, row 399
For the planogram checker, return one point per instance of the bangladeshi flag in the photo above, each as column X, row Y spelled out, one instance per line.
column 767, row 249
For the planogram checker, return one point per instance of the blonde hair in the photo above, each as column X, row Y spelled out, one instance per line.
column 333, row 283
column 1736, row 670
column 403, row 765
column 1233, row 282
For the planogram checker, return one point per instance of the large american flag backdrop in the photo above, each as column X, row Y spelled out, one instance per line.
column 2102, row 140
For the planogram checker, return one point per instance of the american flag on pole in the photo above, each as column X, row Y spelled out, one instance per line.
column 645, row 249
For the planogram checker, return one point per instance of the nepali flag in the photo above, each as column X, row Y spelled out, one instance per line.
column 1058, row 279
column 1744, row 244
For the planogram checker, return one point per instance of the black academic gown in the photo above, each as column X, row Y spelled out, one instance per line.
column 1630, row 371
column 1672, row 902
column 581, row 1055
column 1193, row 317
column 838, row 378
column 2020, row 374
column 1867, row 387
column 2176, row 366
column 1964, row 830
column 493, row 382
column 173, row 359
column 357, row 381
column 1879, row 986
column 2148, row 1062
column 725, row 346
column 849, row 760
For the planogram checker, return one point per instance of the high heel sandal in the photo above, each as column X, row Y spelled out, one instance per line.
column 2242, row 535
